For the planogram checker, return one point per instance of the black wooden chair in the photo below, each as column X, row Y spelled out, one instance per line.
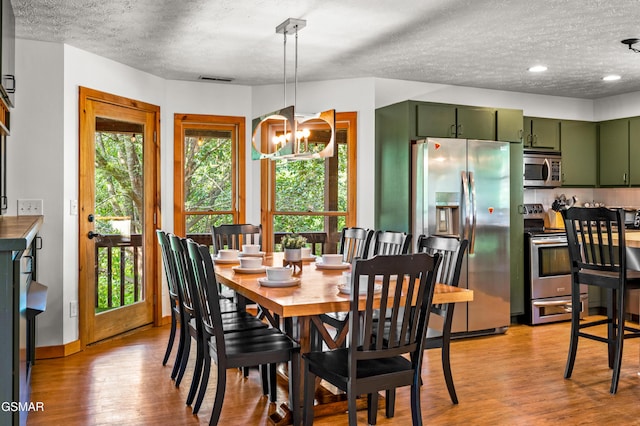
column 452, row 252
column 175, row 303
column 232, row 321
column 598, row 260
column 355, row 242
column 391, row 242
column 240, row 348
column 233, row 236
column 370, row 364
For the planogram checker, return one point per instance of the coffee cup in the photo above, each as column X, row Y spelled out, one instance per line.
column 250, row 262
column 228, row 254
column 279, row 273
column 332, row 259
column 251, row 248
column 306, row 252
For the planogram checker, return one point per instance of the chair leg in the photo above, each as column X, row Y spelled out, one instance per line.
column 273, row 382
column 294, row 387
column 197, row 373
column 181, row 344
column 416, row 411
column 172, row 336
column 204, row 382
column 353, row 414
column 309, row 394
column 390, row 403
column 183, row 360
column 219, row 398
column 611, row 326
column 575, row 328
column 446, row 366
column 372, row 408
column 264, row 376
column 619, row 342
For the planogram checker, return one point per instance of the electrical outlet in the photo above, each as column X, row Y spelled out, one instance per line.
column 73, row 208
column 73, row 308
column 29, row 207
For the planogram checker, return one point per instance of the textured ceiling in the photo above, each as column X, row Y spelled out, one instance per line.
column 478, row 43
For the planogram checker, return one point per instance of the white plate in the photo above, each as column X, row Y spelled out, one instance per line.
column 343, row 265
column 218, row 260
column 259, row 254
column 242, row 270
column 279, row 283
column 346, row 289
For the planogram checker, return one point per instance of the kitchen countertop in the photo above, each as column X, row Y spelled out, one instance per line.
column 17, row 232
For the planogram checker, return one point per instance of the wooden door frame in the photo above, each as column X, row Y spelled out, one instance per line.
column 153, row 267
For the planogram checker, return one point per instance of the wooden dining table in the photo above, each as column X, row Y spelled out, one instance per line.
column 301, row 305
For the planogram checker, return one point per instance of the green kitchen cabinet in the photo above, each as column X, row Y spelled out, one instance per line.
column 455, row 121
column 634, row 151
column 579, row 153
column 614, row 152
column 509, row 125
column 541, row 133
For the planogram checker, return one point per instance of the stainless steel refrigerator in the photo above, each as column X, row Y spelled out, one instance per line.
column 460, row 187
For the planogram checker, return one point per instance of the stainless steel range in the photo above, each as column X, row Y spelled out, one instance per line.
column 548, row 273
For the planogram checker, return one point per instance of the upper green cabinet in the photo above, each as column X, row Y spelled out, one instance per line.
column 541, row 133
column 634, row 151
column 509, row 125
column 452, row 121
column 614, row 152
column 579, row 153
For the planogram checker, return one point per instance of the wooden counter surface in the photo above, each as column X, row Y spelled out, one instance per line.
column 17, row 232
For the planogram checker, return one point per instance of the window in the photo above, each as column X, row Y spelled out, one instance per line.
column 208, row 172
column 312, row 195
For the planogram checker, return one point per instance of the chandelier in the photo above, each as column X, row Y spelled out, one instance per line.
column 293, row 142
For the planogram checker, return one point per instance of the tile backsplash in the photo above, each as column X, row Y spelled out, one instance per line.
column 614, row 197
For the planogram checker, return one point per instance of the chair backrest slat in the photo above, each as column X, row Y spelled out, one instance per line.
column 233, row 236
column 391, row 242
column 354, row 242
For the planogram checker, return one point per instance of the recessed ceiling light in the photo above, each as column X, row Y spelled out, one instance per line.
column 538, row 68
column 612, row 77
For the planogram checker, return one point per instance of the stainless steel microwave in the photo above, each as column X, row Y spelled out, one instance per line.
column 542, row 169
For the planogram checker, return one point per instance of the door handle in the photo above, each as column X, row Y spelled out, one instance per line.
column 92, row 235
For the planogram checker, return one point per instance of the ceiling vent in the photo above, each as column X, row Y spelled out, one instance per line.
column 214, row 78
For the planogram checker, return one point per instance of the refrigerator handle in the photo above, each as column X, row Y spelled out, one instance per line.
column 466, row 207
column 472, row 190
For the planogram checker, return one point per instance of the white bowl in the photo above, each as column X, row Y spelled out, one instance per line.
column 250, row 262
column 306, row 252
column 332, row 259
column 228, row 254
column 278, row 273
column 251, row 248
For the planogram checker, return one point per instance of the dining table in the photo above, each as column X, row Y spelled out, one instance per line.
column 298, row 306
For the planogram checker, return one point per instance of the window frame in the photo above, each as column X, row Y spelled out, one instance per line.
column 181, row 122
column 344, row 120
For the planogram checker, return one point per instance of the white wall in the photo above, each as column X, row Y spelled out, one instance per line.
column 43, row 147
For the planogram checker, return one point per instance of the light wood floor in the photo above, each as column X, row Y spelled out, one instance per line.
column 514, row 379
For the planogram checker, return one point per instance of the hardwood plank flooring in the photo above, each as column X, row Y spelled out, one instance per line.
column 514, row 379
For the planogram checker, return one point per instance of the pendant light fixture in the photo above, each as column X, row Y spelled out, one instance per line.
column 293, row 142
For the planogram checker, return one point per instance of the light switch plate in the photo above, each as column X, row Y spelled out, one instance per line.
column 29, row 207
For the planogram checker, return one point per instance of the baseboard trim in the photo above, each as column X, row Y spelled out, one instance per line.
column 45, row 352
